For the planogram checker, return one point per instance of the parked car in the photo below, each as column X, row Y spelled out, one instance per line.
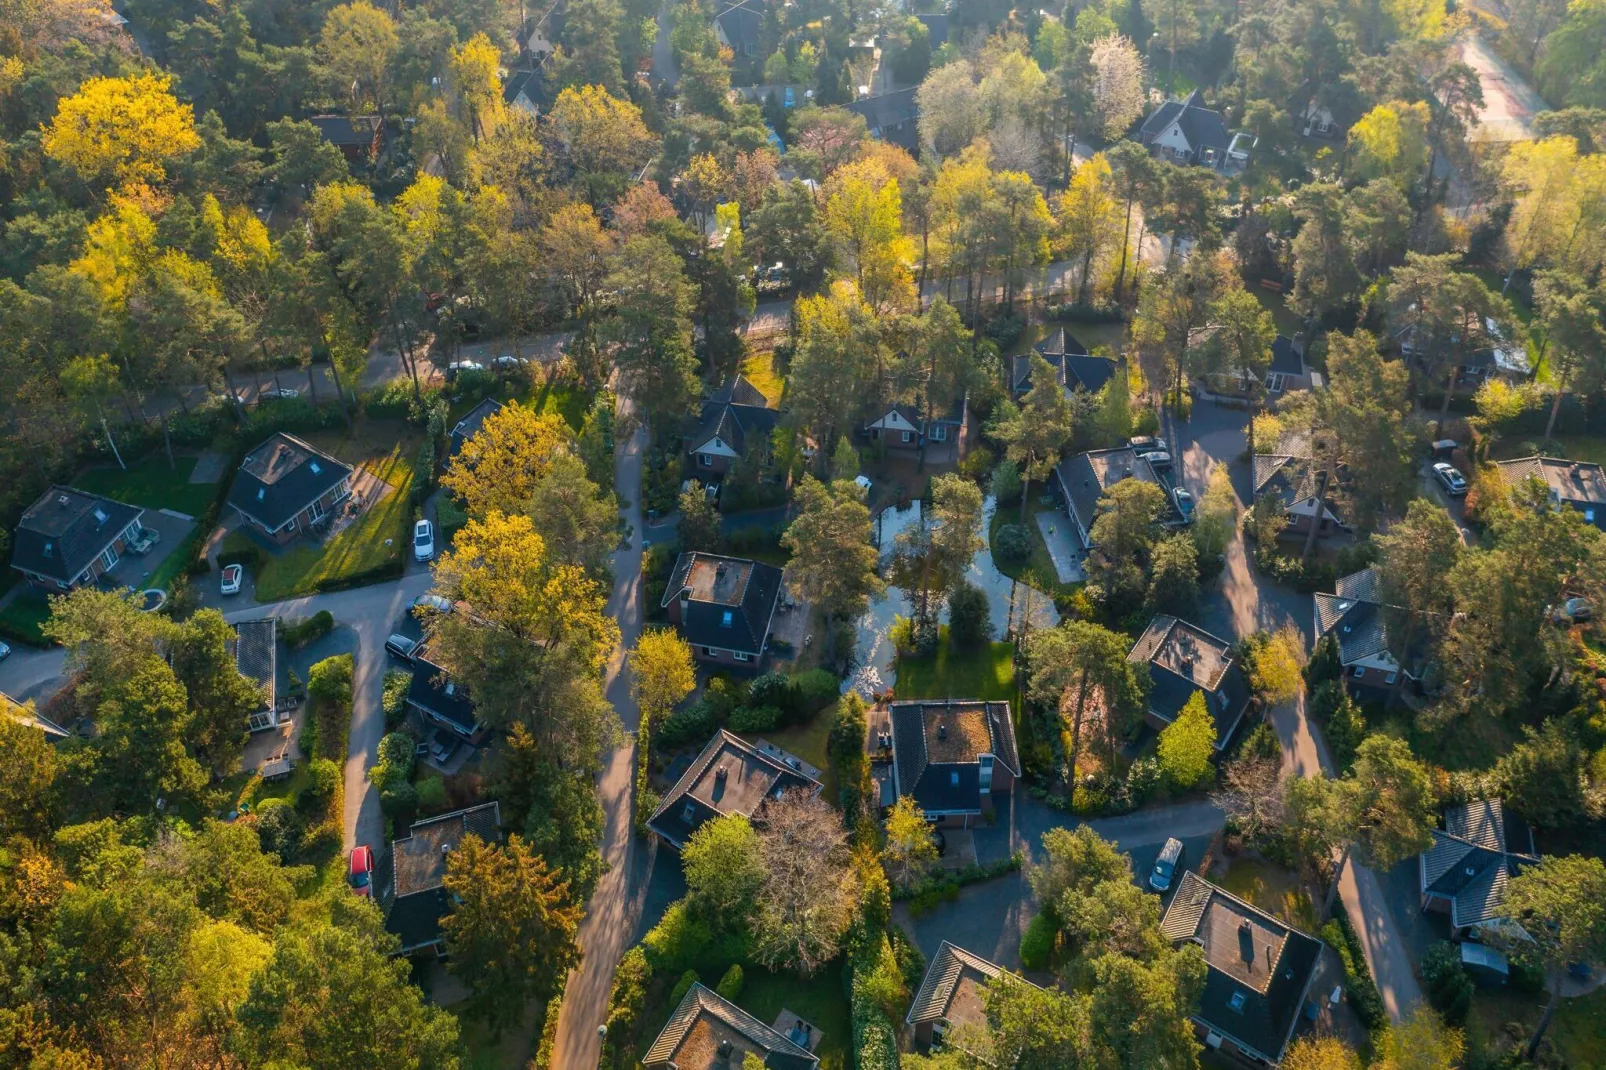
column 507, row 362
column 284, row 393
column 360, row 871
column 444, row 746
column 5, row 651
column 233, row 576
column 1166, row 866
column 423, row 541
column 1146, row 443
column 1156, row 458
column 1451, row 479
column 1573, row 611
column 433, row 603
column 399, row 646
column 463, row 366
column 1184, row 504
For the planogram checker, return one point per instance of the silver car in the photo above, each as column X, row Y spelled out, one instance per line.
column 1166, row 866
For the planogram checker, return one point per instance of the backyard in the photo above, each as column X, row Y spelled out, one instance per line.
column 986, row 673
column 809, row 742
column 1038, row 569
column 151, row 484
column 1268, row 886
column 1501, row 1016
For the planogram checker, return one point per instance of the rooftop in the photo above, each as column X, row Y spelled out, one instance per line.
column 420, row 858
column 62, row 532
column 708, row 1031
column 256, row 647
column 1571, row 481
column 937, row 746
column 718, row 579
column 952, row 989
column 1190, row 652
column 730, row 776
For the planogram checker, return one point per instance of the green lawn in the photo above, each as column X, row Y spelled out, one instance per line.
column 151, row 484
column 818, row 1001
column 988, row 673
column 24, row 616
column 1272, row 889
column 1578, row 1031
column 301, row 569
column 759, row 369
column 1038, row 571
column 1288, row 322
column 809, row 742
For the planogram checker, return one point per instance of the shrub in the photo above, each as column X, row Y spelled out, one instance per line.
column 874, row 1038
column 1363, row 994
column 329, row 706
column 977, row 463
column 323, row 781
column 1005, row 484
column 682, row 986
column 1086, row 311
column 771, row 689
column 1012, row 544
column 306, row 631
column 321, row 841
column 1446, row 982
column 969, row 618
column 625, row 1000
column 1527, row 978
column 815, row 690
column 1006, row 330
column 549, row 1032
column 683, row 941
column 690, row 724
column 755, row 719
column 431, row 794
column 730, row 986
column 1037, row 942
column 394, row 702
column 450, row 516
column 397, row 751
column 279, row 829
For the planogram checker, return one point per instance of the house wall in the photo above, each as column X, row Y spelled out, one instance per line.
column 1003, row 779
column 302, row 519
column 1172, row 142
column 725, row 658
column 714, row 464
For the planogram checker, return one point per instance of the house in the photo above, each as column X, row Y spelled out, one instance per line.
column 730, row 776
column 738, row 26
column 893, row 117
column 902, row 432
column 358, row 137
column 285, row 485
column 256, row 657
column 70, row 538
column 937, row 27
column 735, row 419
column 1185, row 131
column 1317, row 120
column 1294, row 479
column 1288, row 370
column 24, row 713
column 1497, row 359
column 1578, row 484
column 1258, row 970
column 1184, row 658
column 440, row 701
column 1465, row 873
column 952, row 756
column 418, row 872
column 951, row 996
column 470, row 424
column 1080, row 482
column 1072, row 364
column 522, row 90
column 1353, row 615
column 709, row 1032
column 723, row 607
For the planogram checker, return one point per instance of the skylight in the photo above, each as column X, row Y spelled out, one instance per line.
column 315, row 468
column 725, row 619
column 1239, row 998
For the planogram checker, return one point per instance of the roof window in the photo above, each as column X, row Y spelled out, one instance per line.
column 262, row 492
column 100, row 515
column 315, row 467
column 1239, row 998
column 725, row 619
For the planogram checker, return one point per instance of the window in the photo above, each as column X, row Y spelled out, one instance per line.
column 742, row 655
column 908, row 436
column 315, row 510
column 108, row 557
column 1239, row 998
column 1391, row 677
column 710, row 651
column 705, row 460
column 315, row 469
column 1589, row 515
column 1360, row 671
column 986, row 763
column 1274, row 383
column 725, row 619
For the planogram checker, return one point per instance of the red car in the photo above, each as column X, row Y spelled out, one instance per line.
column 360, row 873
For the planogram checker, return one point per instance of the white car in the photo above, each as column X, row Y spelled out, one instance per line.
column 464, row 366
column 233, row 576
column 433, row 603
column 282, row 392
column 423, row 541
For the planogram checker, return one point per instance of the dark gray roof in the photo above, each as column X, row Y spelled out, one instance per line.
column 1083, row 479
column 1184, row 658
column 730, row 776
column 281, row 477
column 951, row 991
column 1202, row 126
column 526, row 82
column 1059, row 343
column 418, row 865
column 741, row 23
column 1580, row 484
column 1259, row 969
column 347, row 130
column 705, row 1021
column 1285, row 358
column 472, row 421
column 937, row 27
column 1074, row 369
column 936, row 747
column 1353, row 615
column 892, row 117
column 433, row 691
column 738, row 414
column 63, row 532
column 731, row 600
column 1472, row 861
column 256, row 655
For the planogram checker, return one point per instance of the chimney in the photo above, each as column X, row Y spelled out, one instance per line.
column 63, row 501
column 720, row 774
column 942, row 731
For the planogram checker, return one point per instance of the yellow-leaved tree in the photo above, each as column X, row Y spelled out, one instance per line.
column 477, row 84
column 122, row 131
column 498, row 468
column 118, row 249
column 865, row 215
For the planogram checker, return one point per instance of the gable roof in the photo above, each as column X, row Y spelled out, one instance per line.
column 472, row 421
column 433, row 691
column 730, row 776
column 729, row 602
column 281, row 477
column 892, row 117
column 256, row 655
column 26, row 714
column 937, row 746
column 1353, row 615
column 418, row 870
column 1059, row 343
column 1285, row 358
column 1184, row 658
column 696, row 1035
column 1073, row 369
column 62, row 533
column 741, row 22
column 1202, row 126
column 951, row 991
column 1259, row 969
column 1471, row 862
column 737, row 413
column 348, row 130
column 1083, row 479
column 1580, row 484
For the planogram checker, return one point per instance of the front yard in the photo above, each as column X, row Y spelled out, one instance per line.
column 1038, row 569
column 379, row 538
column 151, row 484
column 24, row 615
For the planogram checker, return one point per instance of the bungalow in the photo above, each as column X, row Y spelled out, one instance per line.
column 1464, row 874
column 418, row 872
column 470, row 424
column 70, row 538
column 256, row 657
column 358, row 137
column 723, row 607
column 440, row 701
column 1080, row 483
column 1288, row 370
column 903, row 432
column 1317, row 120
column 1353, row 615
column 1258, row 970
column 1579, row 484
column 1183, row 658
column 1185, row 131
column 952, row 756
column 892, row 117
column 730, row 776
column 709, row 1032
column 285, row 485
column 736, row 419
column 952, row 997
column 1072, row 364
column 1294, row 479
column 1496, row 358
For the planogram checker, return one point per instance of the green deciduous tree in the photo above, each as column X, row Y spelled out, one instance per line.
column 1188, row 744
column 833, row 564
column 909, row 852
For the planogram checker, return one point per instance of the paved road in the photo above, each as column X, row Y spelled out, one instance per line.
column 620, row 901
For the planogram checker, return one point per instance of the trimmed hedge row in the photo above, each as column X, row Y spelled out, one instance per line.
column 1362, row 990
column 308, row 630
column 875, row 1040
column 549, row 1033
column 947, row 884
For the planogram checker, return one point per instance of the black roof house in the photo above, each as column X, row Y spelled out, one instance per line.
column 434, row 695
column 1259, row 970
column 937, row 746
column 726, row 602
column 730, row 776
column 1201, row 128
column 1579, row 484
column 418, row 871
column 708, row 1031
column 470, row 424
column 1184, row 658
column 1482, row 847
column 349, row 132
column 1082, row 480
column 739, row 22
column 1354, row 616
column 60, row 535
column 281, row 477
column 1072, row 364
column 735, row 417
column 893, row 117
column 256, row 657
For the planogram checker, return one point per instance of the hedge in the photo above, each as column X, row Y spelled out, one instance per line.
column 390, row 570
column 549, row 1032
column 949, row 883
column 1086, row 312
column 308, row 630
column 875, row 1040
column 1363, row 994
column 1037, row 943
